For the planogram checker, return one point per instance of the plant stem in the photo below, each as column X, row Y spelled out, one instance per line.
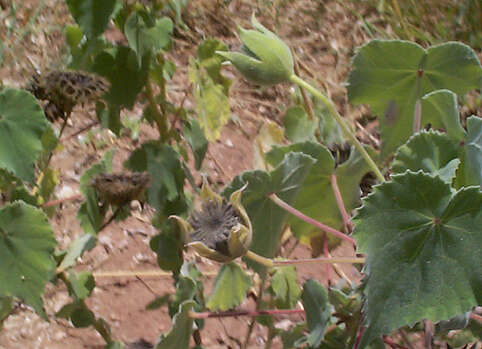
column 309, row 220
column 251, row 313
column 140, row 273
column 346, row 130
column 159, row 117
column 417, row 116
column 339, row 202
column 281, row 263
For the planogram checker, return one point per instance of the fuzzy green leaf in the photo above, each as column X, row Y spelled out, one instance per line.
column 439, row 109
column 421, row 241
column 284, row 285
column 143, row 38
column 126, row 75
column 266, row 217
column 81, row 284
column 315, row 302
column 230, row 288
column 76, row 249
column 298, row 127
column 431, row 152
column 391, row 76
column 22, row 124
column 27, row 245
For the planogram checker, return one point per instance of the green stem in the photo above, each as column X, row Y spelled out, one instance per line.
column 346, row 130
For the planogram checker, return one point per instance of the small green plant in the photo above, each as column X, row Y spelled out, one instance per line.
column 418, row 231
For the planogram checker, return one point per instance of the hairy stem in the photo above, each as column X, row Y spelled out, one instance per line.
column 346, row 130
column 309, row 220
column 281, row 263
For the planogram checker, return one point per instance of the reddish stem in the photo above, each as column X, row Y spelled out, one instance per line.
column 326, row 254
column 339, row 202
column 359, row 334
column 307, row 219
column 83, row 129
column 207, row 315
column 476, row 317
column 59, row 201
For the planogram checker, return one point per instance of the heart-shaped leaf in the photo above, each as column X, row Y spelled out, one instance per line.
column 27, row 245
column 416, row 233
column 22, row 125
column 230, row 288
column 391, row 76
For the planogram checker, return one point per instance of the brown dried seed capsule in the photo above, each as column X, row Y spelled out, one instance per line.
column 65, row 89
column 120, row 189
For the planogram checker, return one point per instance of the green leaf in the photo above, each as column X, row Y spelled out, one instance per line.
column 81, row 284
column 432, row 152
column 266, row 217
column 316, row 198
column 6, row 307
column 109, row 117
column 298, row 126
column 76, row 249
column 158, row 302
column 315, row 303
column 230, row 288
column 197, row 141
column 27, row 245
column 168, row 247
column 391, row 75
column 144, row 38
column 82, row 317
column 421, row 241
column 293, row 336
column 90, row 214
column 180, row 333
column 163, row 163
column 22, row 124
column 212, row 62
column 473, row 152
column 210, row 88
column 73, row 36
column 92, row 16
column 285, row 288
column 126, row 75
column 439, row 109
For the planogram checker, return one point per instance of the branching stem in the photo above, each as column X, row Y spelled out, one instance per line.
column 341, row 205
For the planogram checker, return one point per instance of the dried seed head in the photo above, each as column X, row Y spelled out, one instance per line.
column 65, row 89
column 220, row 229
column 213, row 223
column 120, row 189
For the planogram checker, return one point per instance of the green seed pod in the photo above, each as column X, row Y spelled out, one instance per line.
column 220, row 230
column 265, row 58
